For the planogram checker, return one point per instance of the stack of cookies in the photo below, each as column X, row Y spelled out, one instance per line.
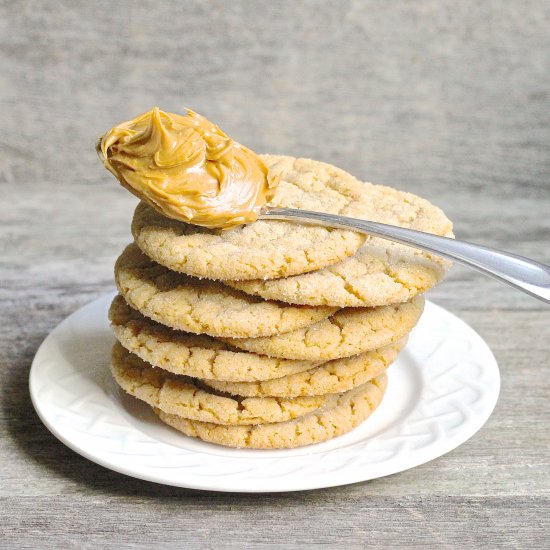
column 273, row 334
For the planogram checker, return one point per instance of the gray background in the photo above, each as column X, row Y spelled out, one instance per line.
column 450, row 100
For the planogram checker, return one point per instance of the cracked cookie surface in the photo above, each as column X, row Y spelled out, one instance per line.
column 347, row 412
column 199, row 356
column 265, row 248
column 337, row 376
column 381, row 272
column 204, row 306
column 348, row 332
column 183, row 397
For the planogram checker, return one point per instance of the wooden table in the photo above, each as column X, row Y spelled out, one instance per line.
column 449, row 100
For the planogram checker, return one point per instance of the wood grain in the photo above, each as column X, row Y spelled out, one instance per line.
column 449, row 100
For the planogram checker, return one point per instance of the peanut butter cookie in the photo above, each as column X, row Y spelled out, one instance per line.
column 270, row 249
column 380, row 273
column 199, row 356
column 183, row 397
column 347, row 412
column 202, row 306
column 266, row 248
column 335, row 376
column 348, row 332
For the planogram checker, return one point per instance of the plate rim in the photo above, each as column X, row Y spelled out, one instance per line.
column 338, row 478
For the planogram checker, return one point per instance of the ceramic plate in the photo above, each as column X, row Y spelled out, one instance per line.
column 441, row 390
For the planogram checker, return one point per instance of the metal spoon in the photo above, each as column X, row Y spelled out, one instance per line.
column 522, row 273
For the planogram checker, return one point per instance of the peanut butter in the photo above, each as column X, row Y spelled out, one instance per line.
column 187, row 168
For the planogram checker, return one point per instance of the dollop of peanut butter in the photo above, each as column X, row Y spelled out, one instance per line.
column 188, row 169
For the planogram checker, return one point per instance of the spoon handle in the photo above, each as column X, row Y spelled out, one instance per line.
column 522, row 273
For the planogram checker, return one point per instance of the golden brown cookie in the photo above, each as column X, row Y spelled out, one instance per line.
column 381, row 272
column 270, row 249
column 202, row 306
column 185, row 398
column 349, row 410
column 348, row 332
column 263, row 249
column 199, row 356
column 335, row 376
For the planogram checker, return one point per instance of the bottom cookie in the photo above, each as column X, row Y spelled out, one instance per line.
column 351, row 408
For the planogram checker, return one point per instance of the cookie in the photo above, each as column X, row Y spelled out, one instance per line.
column 265, row 248
column 335, row 376
column 203, row 306
column 193, row 355
column 349, row 410
column 184, row 397
column 269, row 249
column 348, row 332
column 381, row 272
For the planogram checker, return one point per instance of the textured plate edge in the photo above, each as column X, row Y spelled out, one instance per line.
column 336, row 480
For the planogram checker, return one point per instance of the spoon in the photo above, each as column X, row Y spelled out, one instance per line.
column 522, row 273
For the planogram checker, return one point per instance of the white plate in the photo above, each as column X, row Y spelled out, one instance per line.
column 441, row 390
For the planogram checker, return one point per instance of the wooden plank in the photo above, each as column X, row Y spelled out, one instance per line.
column 303, row 520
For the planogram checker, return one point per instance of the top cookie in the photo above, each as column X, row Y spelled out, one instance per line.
column 273, row 249
column 265, row 249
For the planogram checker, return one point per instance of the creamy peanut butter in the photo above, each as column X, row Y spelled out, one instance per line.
column 187, row 168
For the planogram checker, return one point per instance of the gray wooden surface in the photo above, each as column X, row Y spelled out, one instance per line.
column 450, row 100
